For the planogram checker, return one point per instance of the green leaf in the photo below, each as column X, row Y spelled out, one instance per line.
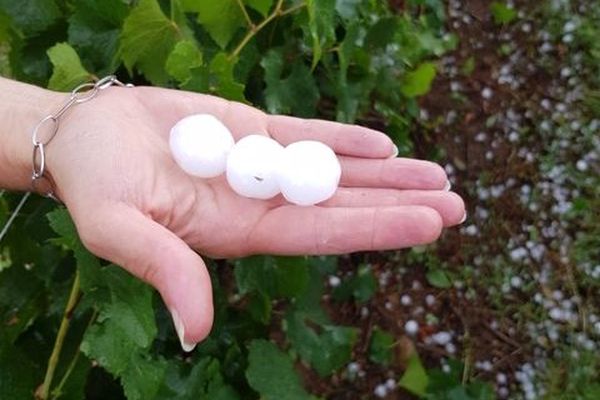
column 223, row 82
column 147, row 39
column 18, row 375
column 143, row 378
column 418, row 82
column 220, row 18
column 94, row 31
column 273, row 277
column 296, row 93
column 68, row 71
column 183, row 59
column 502, row 13
column 31, row 16
column 415, row 378
column 347, row 9
column 326, row 351
column 271, row 373
column 262, row 6
column 438, row 278
column 361, row 286
column 125, row 326
column 381, row 347
column 321, row 24
column 87, row 264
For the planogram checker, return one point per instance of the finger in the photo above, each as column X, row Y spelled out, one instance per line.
column 450, row 206
column 154, row 254
column 344, row 139
column 393, row 173
column 292, row 230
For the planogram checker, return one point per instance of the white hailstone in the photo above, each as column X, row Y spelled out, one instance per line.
column 200, row 144
column 503, row 392
column 251, row 167
column 411, row 327
column 353, row 368
column 430, row 300
column 334, row 281
column 380, row 391
column 450, row 348
column 570, row 26
column 557, row 314
column 364, row 312
column 309, row 173
column 406, row 300
column 582, row 165
column 487, row 93
column 513, row 136
column 442, row 338
column 516, row 282
column 390, row 383
column 501, row 378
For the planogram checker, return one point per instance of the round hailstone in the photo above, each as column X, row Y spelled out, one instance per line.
column 200, row 144
column 309, row 173
column 251, row 167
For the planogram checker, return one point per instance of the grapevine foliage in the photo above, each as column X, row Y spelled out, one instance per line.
column 349, row 60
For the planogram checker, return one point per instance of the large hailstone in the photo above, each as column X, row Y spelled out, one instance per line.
column 251, row 166
column 200, row 144
column 308, row 173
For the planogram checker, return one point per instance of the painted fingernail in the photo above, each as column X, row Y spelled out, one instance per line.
column 395, row 152
column 180, row 328
column 448, row 186
column 464, row 218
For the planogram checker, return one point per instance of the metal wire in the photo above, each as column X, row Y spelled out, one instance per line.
column 14, row 214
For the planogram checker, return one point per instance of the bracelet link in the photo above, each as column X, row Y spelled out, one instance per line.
column 40, row 181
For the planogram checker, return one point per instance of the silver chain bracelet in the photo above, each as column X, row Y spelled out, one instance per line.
column 40, row 181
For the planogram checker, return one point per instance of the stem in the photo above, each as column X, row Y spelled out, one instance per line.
column 278, row 11
column 58, row 389
column 246, row 16
column 60, row 338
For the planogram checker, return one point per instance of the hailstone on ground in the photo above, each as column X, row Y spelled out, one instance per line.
column 309, row 172
column 200, row 144
column 251, row 166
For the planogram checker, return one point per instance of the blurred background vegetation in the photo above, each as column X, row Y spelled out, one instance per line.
column 504, row 94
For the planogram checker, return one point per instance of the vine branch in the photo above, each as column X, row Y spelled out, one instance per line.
column 278, row 11
column 44, row 390
column 246, row 16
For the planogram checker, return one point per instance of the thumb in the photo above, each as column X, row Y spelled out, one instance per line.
column 148, row 250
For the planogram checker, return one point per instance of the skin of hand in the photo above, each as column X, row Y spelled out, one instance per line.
column 135, row 207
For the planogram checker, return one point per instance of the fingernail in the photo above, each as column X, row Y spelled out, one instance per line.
column 395, row 152
column 180, row 328
column 464, row 218
column 448, row 186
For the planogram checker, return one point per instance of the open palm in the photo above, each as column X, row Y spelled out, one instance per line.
column 134, row 206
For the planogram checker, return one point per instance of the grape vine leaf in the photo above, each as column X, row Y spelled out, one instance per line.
column 94, row 31
column 262, row 6
column 297, row 93
column 220, row 18
column 271, row 276
column 418, row 82
column 87, row 264
column 68, row 71
column 321, row 24
column 325, row 352
column 223, row 82
column 31, row 16
column 183, row 59
column 271, row 373
column 147, row 39
column 380, row 348
column 415, row 378
column 125, row 327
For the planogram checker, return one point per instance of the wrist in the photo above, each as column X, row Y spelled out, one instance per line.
column 22, row 106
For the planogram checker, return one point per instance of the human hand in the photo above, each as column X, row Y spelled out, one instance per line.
column 134, row 206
